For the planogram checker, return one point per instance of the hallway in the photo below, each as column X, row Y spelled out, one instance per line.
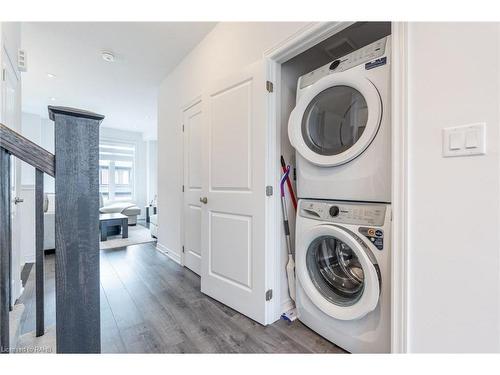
column 149, row 304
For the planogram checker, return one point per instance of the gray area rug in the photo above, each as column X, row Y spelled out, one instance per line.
column 136, row 234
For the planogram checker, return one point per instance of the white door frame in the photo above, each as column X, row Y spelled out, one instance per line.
column 304, row 39
column 184, row 108
column 400, row 187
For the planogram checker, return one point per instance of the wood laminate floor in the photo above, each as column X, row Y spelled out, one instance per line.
column 150, row 304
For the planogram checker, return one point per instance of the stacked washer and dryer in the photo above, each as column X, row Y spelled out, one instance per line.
column 341, row 131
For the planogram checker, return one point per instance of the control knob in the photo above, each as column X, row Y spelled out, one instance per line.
column 334, row 64
column 334, row 211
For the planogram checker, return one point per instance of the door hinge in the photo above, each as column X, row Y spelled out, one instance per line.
column 3, row 74
column 183, row 188
column 269, row 295
column 269, row 86
column 269, row 190
column 183, row 128
column 183, row 249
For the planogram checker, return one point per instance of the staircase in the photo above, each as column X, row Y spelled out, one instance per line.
column 75, row 166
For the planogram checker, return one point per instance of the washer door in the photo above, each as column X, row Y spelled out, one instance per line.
column 338, row 273
column 336, row 120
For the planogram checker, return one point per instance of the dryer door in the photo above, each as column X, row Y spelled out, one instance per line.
column 338, row 272
column 336, row 119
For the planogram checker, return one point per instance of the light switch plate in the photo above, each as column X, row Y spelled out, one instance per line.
column 464, row 140
column 456, row 140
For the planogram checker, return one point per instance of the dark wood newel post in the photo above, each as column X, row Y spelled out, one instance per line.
column 76, row 133
column 39, row 255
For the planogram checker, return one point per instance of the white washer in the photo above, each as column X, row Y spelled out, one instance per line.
column 341, row 127
column 343, row 258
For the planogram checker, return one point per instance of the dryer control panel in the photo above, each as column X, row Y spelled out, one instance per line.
column 363, row 55
column 370, row 214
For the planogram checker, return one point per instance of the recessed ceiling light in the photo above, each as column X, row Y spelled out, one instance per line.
column 53, row 99
column 50, row 75
column 108, row 56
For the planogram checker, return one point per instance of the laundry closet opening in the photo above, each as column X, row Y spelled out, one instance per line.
column 350, row 39
column 334, row 132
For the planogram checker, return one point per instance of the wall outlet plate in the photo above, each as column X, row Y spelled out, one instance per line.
column 465, row 140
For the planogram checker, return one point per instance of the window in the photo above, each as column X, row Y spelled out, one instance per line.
column 116, row 171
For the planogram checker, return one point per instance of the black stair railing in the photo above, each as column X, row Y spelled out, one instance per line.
column 75, row 167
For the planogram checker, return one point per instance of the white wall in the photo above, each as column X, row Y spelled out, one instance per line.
column 31, row 128
column 10, row 37
column 227, row 48
column 454, row 202
column 41, row 131
column 10, row 40
column 152, row 170
column 289, row 75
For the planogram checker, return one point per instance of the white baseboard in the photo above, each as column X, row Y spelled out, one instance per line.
column 171, row 254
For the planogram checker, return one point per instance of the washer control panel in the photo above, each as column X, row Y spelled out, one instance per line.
column 369, row 214
column 363, row 55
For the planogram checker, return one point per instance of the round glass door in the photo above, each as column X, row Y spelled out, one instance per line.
column 335, row 270
column 334, row 120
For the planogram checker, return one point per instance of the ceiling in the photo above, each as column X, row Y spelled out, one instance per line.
column 124, row 91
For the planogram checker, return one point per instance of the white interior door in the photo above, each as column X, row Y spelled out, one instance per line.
column 233, row 267
column 192, row 128
column 10, row 117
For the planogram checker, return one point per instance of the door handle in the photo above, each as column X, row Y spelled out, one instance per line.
column 18, row 200
column 204, row 200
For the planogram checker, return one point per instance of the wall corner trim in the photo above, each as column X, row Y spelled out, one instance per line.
column 399, row 297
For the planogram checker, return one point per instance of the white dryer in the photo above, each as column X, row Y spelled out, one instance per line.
column 343, row 258
column 341, row 127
